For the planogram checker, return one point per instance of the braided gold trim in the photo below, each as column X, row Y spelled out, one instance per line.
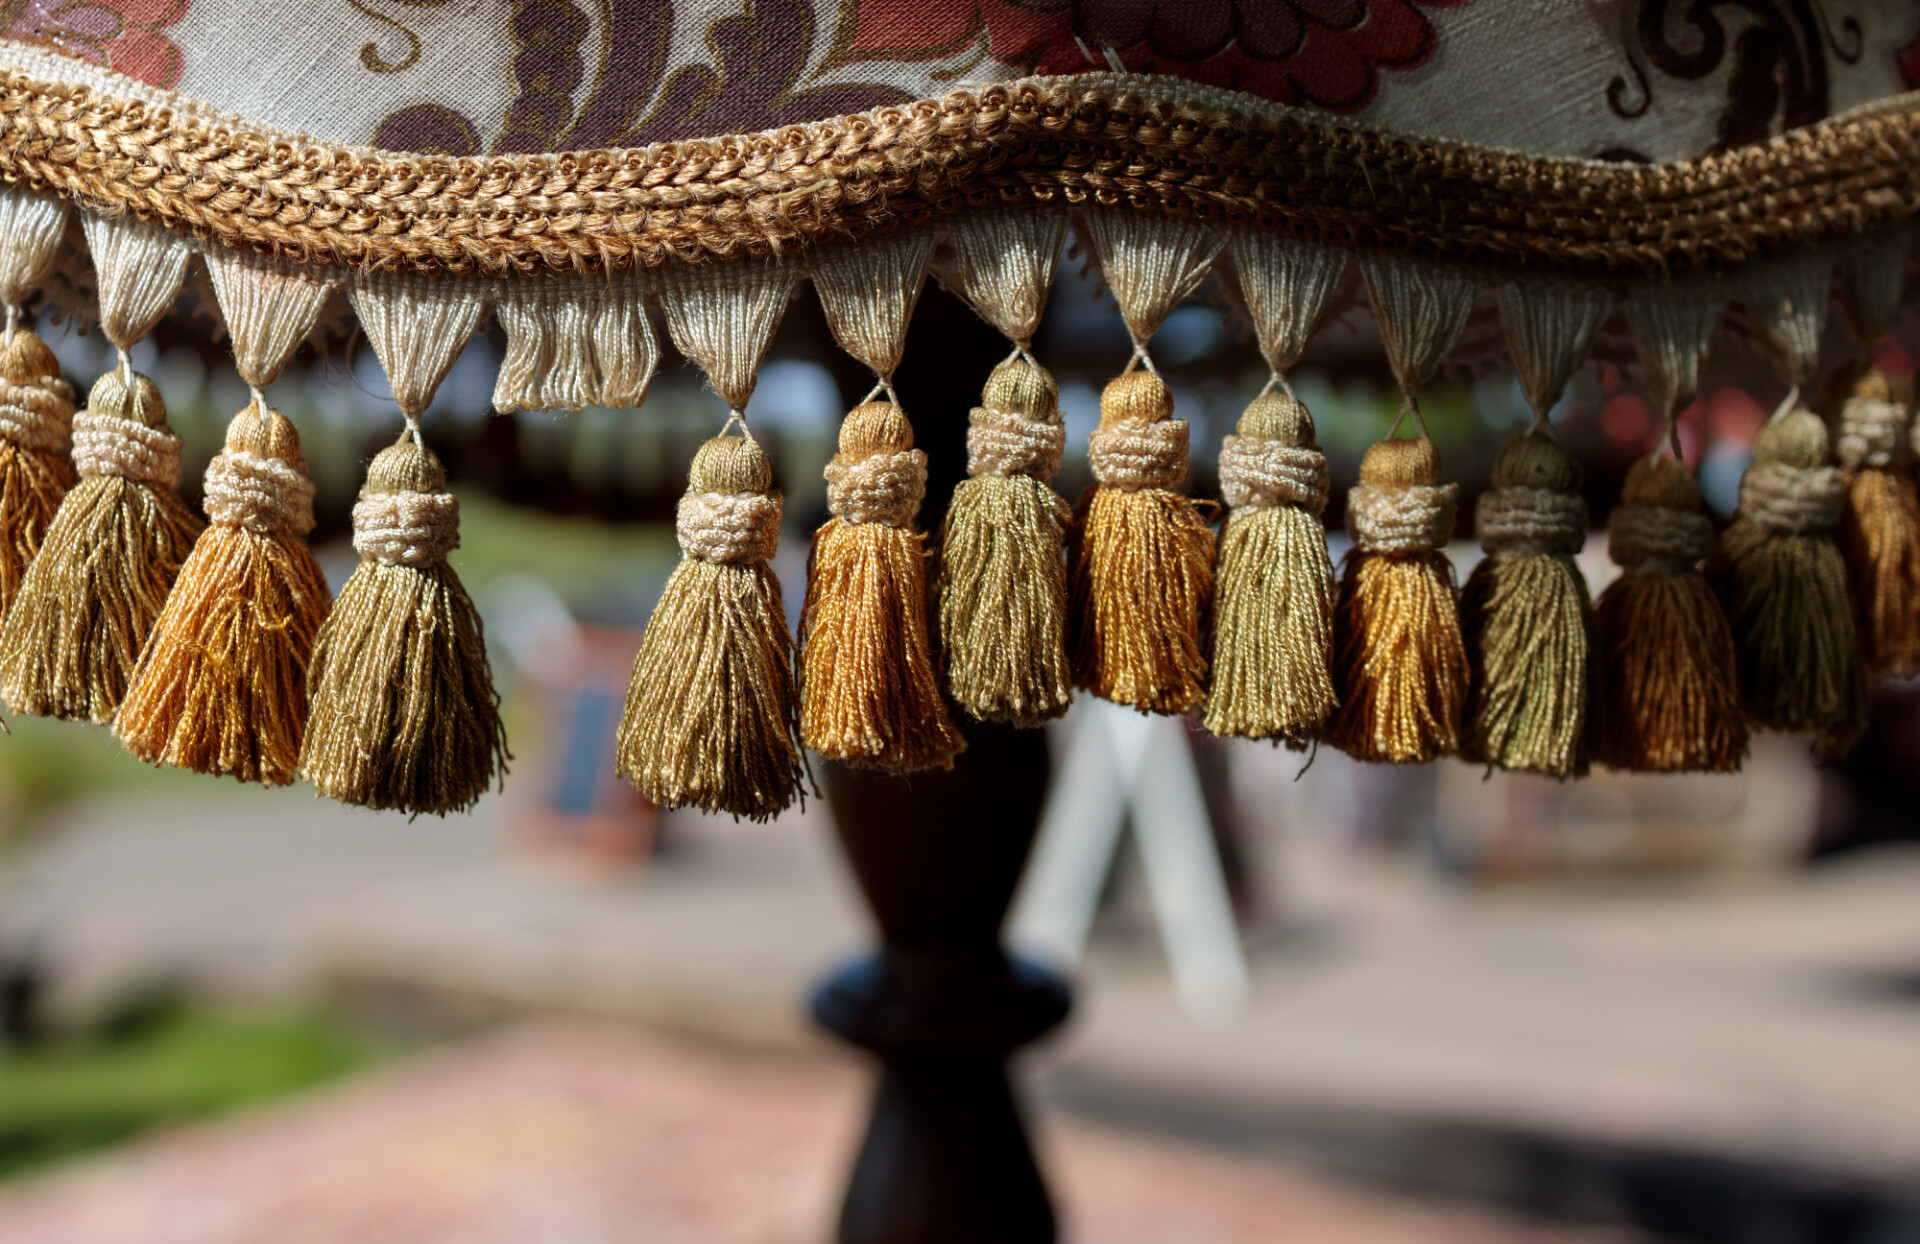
column 1104, row 139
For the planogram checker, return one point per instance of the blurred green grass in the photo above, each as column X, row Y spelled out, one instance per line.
column 84, row 1093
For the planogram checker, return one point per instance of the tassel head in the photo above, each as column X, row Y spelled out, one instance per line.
column 36, row 417
column 1880, row 526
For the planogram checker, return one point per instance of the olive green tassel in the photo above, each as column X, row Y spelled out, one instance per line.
column 1140, row 560
column 1880, row 527
column 36, row 430
column 711, row 718
column 1527, row 617
column 1002, row 581
column 1400, row 664
column 1784, row 586
column 1273, row 614
column 222, row 683
column 92, row 595
column 403, row 714
column 869, row 694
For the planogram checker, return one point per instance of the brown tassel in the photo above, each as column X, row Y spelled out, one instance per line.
column 1880, row 528
column 1668, row 696
column 1527, row 616
column 222, row 684
column 36, row 429
column 1273, row 617
column 868, row 691
column 1784, row 587
column 711, row 716
column 1399, row 662
column 1140, row 560
column 110, row 555
column 403, row 714
column 1002, row 582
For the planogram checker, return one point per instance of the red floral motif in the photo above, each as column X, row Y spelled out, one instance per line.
column 123, row 35
column 1323, row 53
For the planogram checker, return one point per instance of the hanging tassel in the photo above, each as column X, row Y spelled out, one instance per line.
column 91, row 597
column 403, row 711
column 1669, row 699
column 1002, row 583
column 1784, row 587
column 868, row 691
column 1400, row 665
column 222, row 684
column 1880, row 528
column 36, row 429
column 1527, row 617
column 1140, row 559
column 710, row 720
column 1273, row 620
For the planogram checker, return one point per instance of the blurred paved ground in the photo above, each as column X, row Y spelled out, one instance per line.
column 553, row 1135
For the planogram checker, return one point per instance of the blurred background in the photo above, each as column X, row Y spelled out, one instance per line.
column 1418, row 1004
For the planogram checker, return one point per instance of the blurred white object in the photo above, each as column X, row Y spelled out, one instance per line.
column 1120, row 760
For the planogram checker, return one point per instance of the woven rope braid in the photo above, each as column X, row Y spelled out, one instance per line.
column 259, row 493
column 109, row 445
column 1791, row 501
column 1256, row 473
column 1000, row 443
column 1531, row 520
column 883, row 488
column 1140, row 455
column 406, row 528
column 1415, row 519
column 731, row 528
column 1653, row 539
column 35, row 418
column 1870, row 431
column 1039, row 141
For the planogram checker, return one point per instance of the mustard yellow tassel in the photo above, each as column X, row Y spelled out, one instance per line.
column 711, row 718
column 1785, row 590
column 868, row 691
column 1140, row 560
column 1399, row 661
column 1273, row 616
column 403, row 714
column 1002, row 583
column 1880, row 527
column 91, row 596
column 36, row 429
column 222, row 683
column 1527, row 617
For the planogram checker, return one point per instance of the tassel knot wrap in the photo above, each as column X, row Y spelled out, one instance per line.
column 403, row 710
column 1668, row 696
column 1140, row 560
column 711, row 718
column 36, row 414
column 1880, row 529
column 868, row 691
column 1527, row 617
column 1273, row 616
column 1002, row 584
column 91, row 597
column 221, row 686
column 1784, row 587
column 1400, row 665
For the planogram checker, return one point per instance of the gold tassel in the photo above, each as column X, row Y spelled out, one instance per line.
column 1668, row 697
column 91, row 596
column 1527, row 616
column 868, row 692
column 36, row 429
column 1400, row 664
column 1002, row 583
column 1273, row 619
column 403, row 714
column 1784, row 587
column 1880, row 528
column 710, row 720
column 1140, row 559
column 222, row 684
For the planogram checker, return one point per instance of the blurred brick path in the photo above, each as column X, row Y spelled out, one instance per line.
column 561, row 1135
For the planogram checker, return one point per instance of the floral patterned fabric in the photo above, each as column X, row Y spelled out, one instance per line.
column 1610, row 79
